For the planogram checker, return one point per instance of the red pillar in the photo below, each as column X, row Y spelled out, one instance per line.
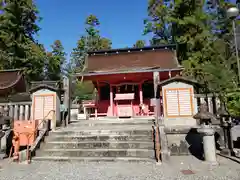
column 111, row 100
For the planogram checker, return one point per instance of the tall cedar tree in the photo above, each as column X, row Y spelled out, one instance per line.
column 203, row 35
column 56, row 60
column 91, row 41
column 18, row 47
column 139, row 44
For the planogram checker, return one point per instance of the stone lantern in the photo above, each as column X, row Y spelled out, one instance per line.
column 5, row 130
column 204, row 116
column 208, row 132
column 226, row 124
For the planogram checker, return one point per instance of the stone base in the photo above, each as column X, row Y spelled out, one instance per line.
column 212, row 163
column 225, row 152
column 165, row 156
column 3, row 155
column 81, row 117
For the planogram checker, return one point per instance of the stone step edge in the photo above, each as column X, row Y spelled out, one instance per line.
column 95, row 159
column 95, row 135
column 111, row 122
column 77, row 130
column 93, row 150
column 91, row 142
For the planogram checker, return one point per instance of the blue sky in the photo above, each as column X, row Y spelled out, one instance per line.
column 121, row 21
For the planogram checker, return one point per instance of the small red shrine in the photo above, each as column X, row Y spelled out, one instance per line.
column 126, row 79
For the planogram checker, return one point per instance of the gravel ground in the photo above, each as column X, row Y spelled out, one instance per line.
column 227, row 170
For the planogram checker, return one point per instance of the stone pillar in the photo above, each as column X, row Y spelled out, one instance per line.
column 21, row 113
column 16, row 112
column 11, row 112
column 202, row 100
column 26, row 112
column 1, row 109
column 209, row 145
column 210, row 104
column 165, row 154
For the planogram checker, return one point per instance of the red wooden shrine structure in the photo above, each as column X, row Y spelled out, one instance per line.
column 124, row 79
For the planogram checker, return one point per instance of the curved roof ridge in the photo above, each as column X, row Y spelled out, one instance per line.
column 19, row 76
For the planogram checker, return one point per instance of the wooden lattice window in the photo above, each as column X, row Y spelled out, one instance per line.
column 178, row 102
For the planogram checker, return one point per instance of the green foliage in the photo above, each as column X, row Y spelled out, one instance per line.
column 17, row 44
column 139, row 44
column 84, row 90
column 55, row 61
column 91, row 41
column 234, row 103
column 204, row 37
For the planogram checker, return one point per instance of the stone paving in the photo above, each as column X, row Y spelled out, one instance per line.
column 227, row 170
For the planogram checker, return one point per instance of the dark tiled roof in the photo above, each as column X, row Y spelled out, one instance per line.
column 50, row 85
column 179, row 79
column 12, row 80
column 138, row 59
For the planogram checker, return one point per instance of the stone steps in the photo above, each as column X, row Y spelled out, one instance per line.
column 101, row 137
column 145, row 153
column 92, row 159
column 99, row 144
column 116, row 122
column 100, row 140
column 87, row 131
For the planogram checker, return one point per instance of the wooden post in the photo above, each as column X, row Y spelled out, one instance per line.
column 111, row 100
column 156, row 80
column 140, row 93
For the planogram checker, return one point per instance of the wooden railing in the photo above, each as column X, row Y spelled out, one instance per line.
column 17, row 110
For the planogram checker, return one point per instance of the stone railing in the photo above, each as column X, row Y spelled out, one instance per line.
column 17, row 110
column 212, row 101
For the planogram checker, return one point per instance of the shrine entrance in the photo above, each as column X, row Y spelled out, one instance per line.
column 125, row 97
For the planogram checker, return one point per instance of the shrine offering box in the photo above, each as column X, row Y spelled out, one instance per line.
column 26, row 131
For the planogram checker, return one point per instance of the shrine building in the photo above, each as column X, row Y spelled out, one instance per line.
column 127, row 80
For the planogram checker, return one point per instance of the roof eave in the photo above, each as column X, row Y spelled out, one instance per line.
column 123, row 72
column 147, row 48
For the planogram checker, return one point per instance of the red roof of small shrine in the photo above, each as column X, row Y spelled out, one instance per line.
column 132, row 59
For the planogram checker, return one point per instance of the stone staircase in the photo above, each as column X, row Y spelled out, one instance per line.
column 106, row 139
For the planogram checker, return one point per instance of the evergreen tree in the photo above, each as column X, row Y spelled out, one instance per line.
column 17, row 44
column 139, row 44
column 92, row 41
column 56, row 61
column 203, row 35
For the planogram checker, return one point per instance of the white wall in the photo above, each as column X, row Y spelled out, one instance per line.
column 179, row 121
